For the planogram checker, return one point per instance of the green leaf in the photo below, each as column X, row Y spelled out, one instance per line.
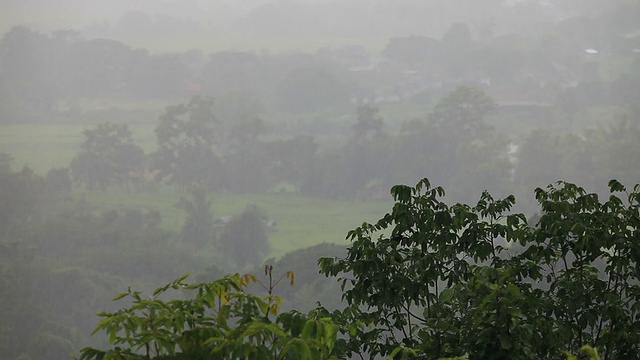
column 308, row 329
column 616, row 186
column 331, row 333
column 514, row 290
column 120, row 296
column 505, row 342
column 395, row 352
column 446, row 295
column 181, row 278
column 353, row 329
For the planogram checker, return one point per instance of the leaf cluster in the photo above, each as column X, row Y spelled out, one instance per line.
column 446, row 281
column 216, row 320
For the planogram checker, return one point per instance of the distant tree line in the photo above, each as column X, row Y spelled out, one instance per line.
column 44, row 72
column 454, row 144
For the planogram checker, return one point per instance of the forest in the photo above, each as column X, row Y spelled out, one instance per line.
column 415, row 188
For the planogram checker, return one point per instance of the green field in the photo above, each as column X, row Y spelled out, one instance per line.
column 43, row 146
column 301, row 221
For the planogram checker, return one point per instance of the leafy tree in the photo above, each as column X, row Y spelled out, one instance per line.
column 160, row 76
column 430, row 280
column 420, row 148
column 217, row 319
column 186, row 140
column 244, row 240
column 462, row 112
column 247, row 165
column 366, row 156
column 467, row 147
column 108, row 157
column 244, row 132
column 455, row 146
column 591, row 251
column 401, row 278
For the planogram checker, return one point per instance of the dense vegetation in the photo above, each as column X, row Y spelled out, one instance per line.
column 446, row 281
column 63, row 257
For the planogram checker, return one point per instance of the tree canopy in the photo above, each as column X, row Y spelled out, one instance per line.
column 186, row 139
column 108, row 157
column 427, row 280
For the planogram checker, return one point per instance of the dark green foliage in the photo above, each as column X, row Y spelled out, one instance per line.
column 402, row 277
column 591, row 251
column 442, row 281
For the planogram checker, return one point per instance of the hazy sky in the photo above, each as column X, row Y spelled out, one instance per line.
column 188, row 23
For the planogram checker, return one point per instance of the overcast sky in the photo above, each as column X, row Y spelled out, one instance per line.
column 137, row 21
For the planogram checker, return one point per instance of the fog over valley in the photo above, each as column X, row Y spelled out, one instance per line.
column 453, row 160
